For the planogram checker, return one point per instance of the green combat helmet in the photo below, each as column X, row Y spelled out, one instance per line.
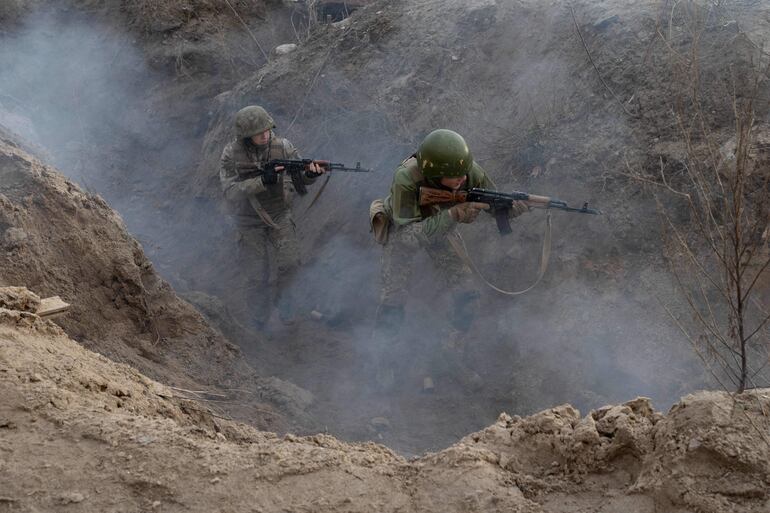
column 252, row 120
column 444, row 153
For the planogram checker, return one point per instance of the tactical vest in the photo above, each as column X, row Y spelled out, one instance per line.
column 274, row 199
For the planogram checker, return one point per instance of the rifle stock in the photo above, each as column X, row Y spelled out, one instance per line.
column 430, row 196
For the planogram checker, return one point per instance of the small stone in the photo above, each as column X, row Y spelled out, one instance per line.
column 15, row 237
column 221, row 437
column 284, row 49
column 71, row 498
column 35, row 378
column 155, row 504
column 316, row 315
column 342, row 24
column 215, row 480
column 380, row 424
column 427, row 384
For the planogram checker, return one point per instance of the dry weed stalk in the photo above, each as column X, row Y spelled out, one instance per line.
column 720, row 254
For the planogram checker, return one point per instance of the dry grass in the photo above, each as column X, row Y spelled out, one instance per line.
column 720, row 185
column 150, row 14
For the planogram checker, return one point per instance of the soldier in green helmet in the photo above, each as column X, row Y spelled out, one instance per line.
column 443, row 160
column 260, row 208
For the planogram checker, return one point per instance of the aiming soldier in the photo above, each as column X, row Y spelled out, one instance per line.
column 260, row 207
column 443, row 161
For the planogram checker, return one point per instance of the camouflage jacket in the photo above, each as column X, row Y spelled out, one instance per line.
column 402, row 205
column 276, row 198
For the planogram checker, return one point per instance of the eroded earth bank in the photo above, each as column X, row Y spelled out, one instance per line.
column 83, row 433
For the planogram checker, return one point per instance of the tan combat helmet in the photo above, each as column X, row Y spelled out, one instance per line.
column 252, row 120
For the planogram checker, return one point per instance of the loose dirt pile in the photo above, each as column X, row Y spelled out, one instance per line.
column 57, row 240
column 82, row 433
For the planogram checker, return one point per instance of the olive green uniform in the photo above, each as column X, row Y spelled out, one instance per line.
column 416, row 227
column 266, row 233
column 413, row 228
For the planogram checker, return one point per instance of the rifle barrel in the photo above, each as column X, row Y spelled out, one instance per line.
column 487, row 196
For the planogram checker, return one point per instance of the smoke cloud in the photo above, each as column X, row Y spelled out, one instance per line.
column 589, row 334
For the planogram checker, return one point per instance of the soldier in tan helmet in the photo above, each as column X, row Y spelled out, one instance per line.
column 260, row 207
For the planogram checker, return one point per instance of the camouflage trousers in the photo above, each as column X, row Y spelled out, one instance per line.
column 397, row 267
column 268, row 259
column 386, row 346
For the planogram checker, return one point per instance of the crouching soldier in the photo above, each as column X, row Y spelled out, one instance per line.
column 443, row 161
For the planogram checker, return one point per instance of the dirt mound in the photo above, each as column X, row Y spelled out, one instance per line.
column 709, row 453
column 58, row 240
column 61, row 241
column 81, row 431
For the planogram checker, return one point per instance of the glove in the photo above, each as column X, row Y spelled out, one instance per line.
column 253, row 186
column 467, row 212
column 518, row 208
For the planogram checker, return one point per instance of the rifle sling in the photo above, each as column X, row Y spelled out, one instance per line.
column 315, row 198
column 458, row 244
column 260, row 210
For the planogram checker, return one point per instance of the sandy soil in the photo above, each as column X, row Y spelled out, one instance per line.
column 82, row 433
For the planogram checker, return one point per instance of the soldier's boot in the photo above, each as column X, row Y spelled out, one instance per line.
column 453, row 361
column 466, row 305
column 383, row 341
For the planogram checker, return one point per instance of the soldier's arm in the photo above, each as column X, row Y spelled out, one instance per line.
column 232, row 188
column 406, row 210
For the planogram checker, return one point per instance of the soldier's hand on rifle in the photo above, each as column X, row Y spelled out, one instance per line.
column 253, row 186
column 467, row 212
column 518, row 208
column 316, row 168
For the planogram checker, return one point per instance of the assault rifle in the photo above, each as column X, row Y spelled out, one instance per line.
column 499, row 203
column 294, row 168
